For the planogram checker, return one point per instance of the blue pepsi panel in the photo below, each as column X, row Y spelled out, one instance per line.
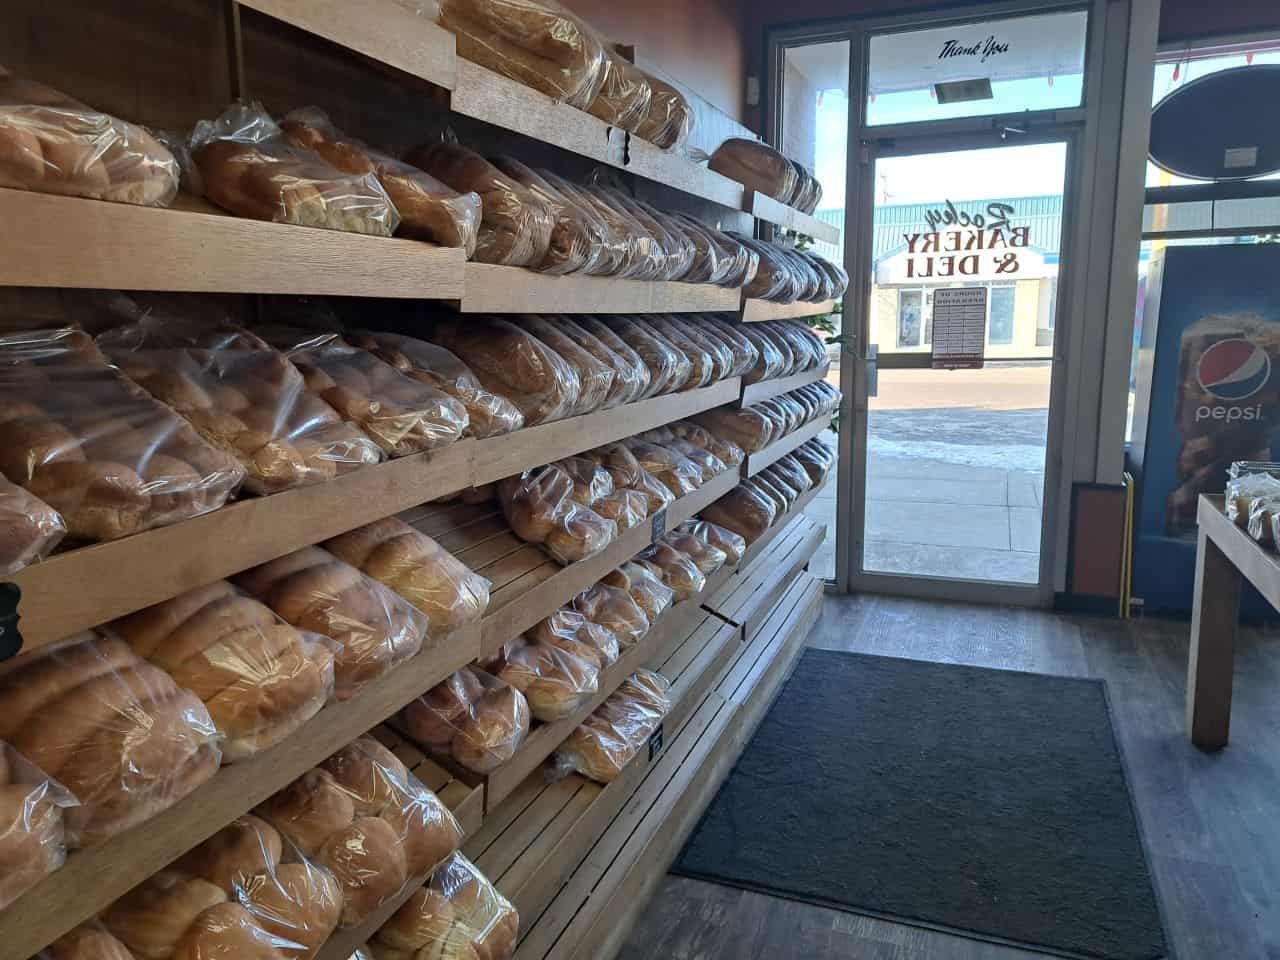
column 1208, row 394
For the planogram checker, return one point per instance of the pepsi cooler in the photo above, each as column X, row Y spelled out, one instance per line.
column 1208, row 394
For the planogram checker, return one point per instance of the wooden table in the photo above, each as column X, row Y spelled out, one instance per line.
column 1225, row 557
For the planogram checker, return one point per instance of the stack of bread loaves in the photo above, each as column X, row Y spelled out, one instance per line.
column 615, row 609
column 556, row 683
column 570, row 631
column 744, row 511
column 89, row 941
column 816, row 458
column 32, row 838
column 540, row 508
column 418, row 569
column 787, row 275
column 761, row 168
column 706, row 556
column 732, row 545
column 687, row 433
column 235, row 895
column 627, row 474
column 242, row 396
column 259, row 678
column 115, row 730
column 644, row 585
column 362, row 816
column 375, row 630
column 54, row 144
column 675, row 568
column 477, row 719
column 30, row 529
column 94, row 446
column 611, row 737
column 458, row 915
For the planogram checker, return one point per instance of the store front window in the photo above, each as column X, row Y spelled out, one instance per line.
column 1000, row 314
column 910, row 318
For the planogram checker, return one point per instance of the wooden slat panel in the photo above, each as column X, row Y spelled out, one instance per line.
column 758, row 311
column 765, row 389
column 767, row 208
column 775, row 451
column 495, row 289
column 762, row 544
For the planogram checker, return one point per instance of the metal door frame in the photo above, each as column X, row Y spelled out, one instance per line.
column 864, row 143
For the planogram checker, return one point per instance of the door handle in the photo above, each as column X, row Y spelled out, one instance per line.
column 873, row 369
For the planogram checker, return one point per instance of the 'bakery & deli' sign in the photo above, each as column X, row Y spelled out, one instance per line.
column 960, row 243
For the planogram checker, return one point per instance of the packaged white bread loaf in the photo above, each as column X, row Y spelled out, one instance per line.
column 631, row 376
column 714, row 536
column 726, row 451
column 611, row 737
column 246, row 166
column 94, row 446
column 418, row 569
column 52, row 143
column 674, row 568
column 474, row 717
column 645, row 586
column 554, row 682
column 115, row 730
column 595, row 377
column 614, row 609
column 32, row 837
column 30, row 529
column 259, row 677
column 540, row 508
column 458, row 915
column 628, row 474
column 707, row 557
column 373, row 628
column 743, row 511
column 242, row 396
column 570, row 631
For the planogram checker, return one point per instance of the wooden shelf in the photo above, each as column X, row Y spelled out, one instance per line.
column 677, row 171
column 94, row 878
column 766, row 389
column 91, row 585
column 748, row 597
column 52, row 241
column 781, row 524
column 494, row 289
column 504, row 456
column 758, row 311
column 775, row 451
column 383, row 30
column 766, row 208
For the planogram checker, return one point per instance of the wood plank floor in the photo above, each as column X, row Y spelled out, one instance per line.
column 1212, row 821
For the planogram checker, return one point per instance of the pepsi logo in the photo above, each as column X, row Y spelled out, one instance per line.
column 1234, row 369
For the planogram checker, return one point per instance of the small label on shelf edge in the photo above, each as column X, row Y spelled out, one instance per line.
column 655, row 742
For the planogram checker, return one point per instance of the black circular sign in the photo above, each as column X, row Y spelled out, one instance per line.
column 1221, row 126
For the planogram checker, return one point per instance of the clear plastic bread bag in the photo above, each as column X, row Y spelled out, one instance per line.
column 614, row 609
column 712, row 263
column 375, row 629
column 765, row 333
column 773, row 278
column 680, row 475
column 722, row 356
column 555, row 683
column 259, row 678
column 590, row 480
column 757, row 166
column 704, row 370
column 515, row 224
column 625, row 93
column 743, row 511
column 706, row 557
column 731, row 544
column 595, row 377
column 55, row 144
column 626, row 508
column 537, row 43
column 459, row 913
column 776, row 481
column 32, row 528
column 645, row 586
column 429, row 210
column 638, row 375
column 512, row 363
column 761, row 485
column 744, row 351
column 570, row 631
column 474, row 717
column 645, row 257
column 246, row 166
column 725, row 451
column 89, row 941
column 669, row 369
column 612, row 736
column 402, row 415
column 1261, row 511
column 677, row 570
column 32, row 837
column 581, row 241
column 748, row 428
column 115, row 730
column 706, row 461
column 418, row 569
column 488, row 413
column 539, row 506
column 675, row 253
column 669, row 120
column 628, row 474
column 94, row 446
column 630, row 375
column 242, row 397
column 795, row 475
column 1242, row 491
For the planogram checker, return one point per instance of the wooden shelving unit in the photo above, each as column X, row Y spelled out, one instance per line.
column 758, row 311
column 766, row 208
column 746, row 599
column 779, row 525
column 775, row 451
column 494, row 289
column 766, row 389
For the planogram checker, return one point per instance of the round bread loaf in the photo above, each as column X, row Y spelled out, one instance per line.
column 311, row 810
column 242, row 849
column 428, row 831
column 152, row 917
column 32, row 841
column 298, row 903
column 369, row 863
column 44, row 677
column 89, row 942
column 228, row 930
column 372, row 776
column 494, row 730
column 424, row 919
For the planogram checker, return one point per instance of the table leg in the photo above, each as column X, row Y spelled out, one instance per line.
column 1214, row 619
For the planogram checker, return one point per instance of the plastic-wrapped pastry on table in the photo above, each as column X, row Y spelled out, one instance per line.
column 731, row 544
column 630, row 375
column 555, row 683
column 458, row 914
column 418, row 569
column 757, row 166
column 89, row 941
column 595, row 377
column 242, row 396
column 669, row 368
column 614, row 609
column 429, row 210
column 625, row 93
column 539, row 506
column 94, row 446
column 32, row 837
column 570, row 631
column 669, row 120
column 514, row 364
column 537, row 43
column 52, row 143
column 1241, row 491
column 402, row 415
column 115, row 730
column 489, row 414
column 749, row 428
column 628, row 474
column 676, row 569
column 259, row 677
column 515, row 225
column 30, row 529
column 726, row 451
column 375, row 629
column 610, row 738
column 476, row 718
column 646, row 587
column 743, row 511
column 362, row 816
column 674, row 469
column 581, row 240
column 246, row 166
